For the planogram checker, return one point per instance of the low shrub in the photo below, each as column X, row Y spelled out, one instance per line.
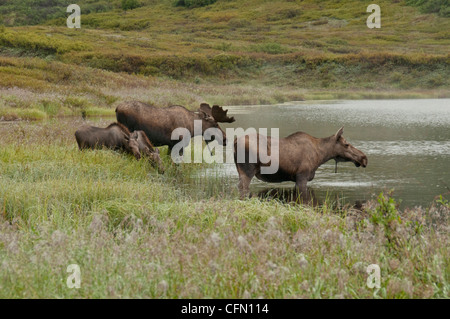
column 440, row 7
column 194, row 3
column 39, row 43
column 130, row 4
column 269, row 47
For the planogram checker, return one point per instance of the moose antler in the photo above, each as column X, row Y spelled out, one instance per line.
column 217, row 112
column 220, row 115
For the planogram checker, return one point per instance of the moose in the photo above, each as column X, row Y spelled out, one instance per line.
column 118, row 137
column 147, row 148
column 159, row 123
column 299, row 156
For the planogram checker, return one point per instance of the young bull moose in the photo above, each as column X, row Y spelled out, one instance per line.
column 299, row 156
column 118, row 137
column 159, row 123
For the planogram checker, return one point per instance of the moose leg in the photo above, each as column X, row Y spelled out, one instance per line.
column 207, row 145
column 244, row 183
column 300, row 186
column 246, row 173
column 306, row 195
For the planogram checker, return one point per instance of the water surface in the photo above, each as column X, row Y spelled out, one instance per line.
column 407, row 143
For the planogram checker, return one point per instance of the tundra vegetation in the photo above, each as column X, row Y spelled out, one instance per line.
column 226, row 52
column 137, row 233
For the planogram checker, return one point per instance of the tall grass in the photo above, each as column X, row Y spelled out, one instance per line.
column 135, row 233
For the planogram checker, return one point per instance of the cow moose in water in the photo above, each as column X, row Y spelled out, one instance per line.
column 118, row 137
column 299, row 156
column 159, row 123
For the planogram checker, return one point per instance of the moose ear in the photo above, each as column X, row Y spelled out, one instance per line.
column 205, row 108
column 339, row 133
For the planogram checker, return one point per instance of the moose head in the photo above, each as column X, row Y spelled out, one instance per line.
column 132, row 146
column 211, row 117
column 145, row 147
column 345, row 152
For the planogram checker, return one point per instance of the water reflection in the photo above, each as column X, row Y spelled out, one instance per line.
column 290, row 196
column 293, row 196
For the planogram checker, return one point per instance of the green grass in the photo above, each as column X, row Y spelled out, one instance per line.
column 440, row 7
column 135, row 233
column 10, row 114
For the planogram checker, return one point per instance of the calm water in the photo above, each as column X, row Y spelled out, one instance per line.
column 407, row 143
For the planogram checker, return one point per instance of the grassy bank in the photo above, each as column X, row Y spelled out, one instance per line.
column 229, row 52
column 135, row 233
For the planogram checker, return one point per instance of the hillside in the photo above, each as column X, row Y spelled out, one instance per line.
column 228, row 52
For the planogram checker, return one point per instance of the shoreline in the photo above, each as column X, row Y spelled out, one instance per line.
column 18, row 114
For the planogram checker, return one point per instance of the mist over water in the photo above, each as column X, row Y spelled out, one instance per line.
column 407, row 143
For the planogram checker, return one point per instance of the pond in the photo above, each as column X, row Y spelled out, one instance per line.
column 407, row 143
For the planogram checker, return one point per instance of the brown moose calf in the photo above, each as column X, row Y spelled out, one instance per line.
column 118, row 137
column 115, row 137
